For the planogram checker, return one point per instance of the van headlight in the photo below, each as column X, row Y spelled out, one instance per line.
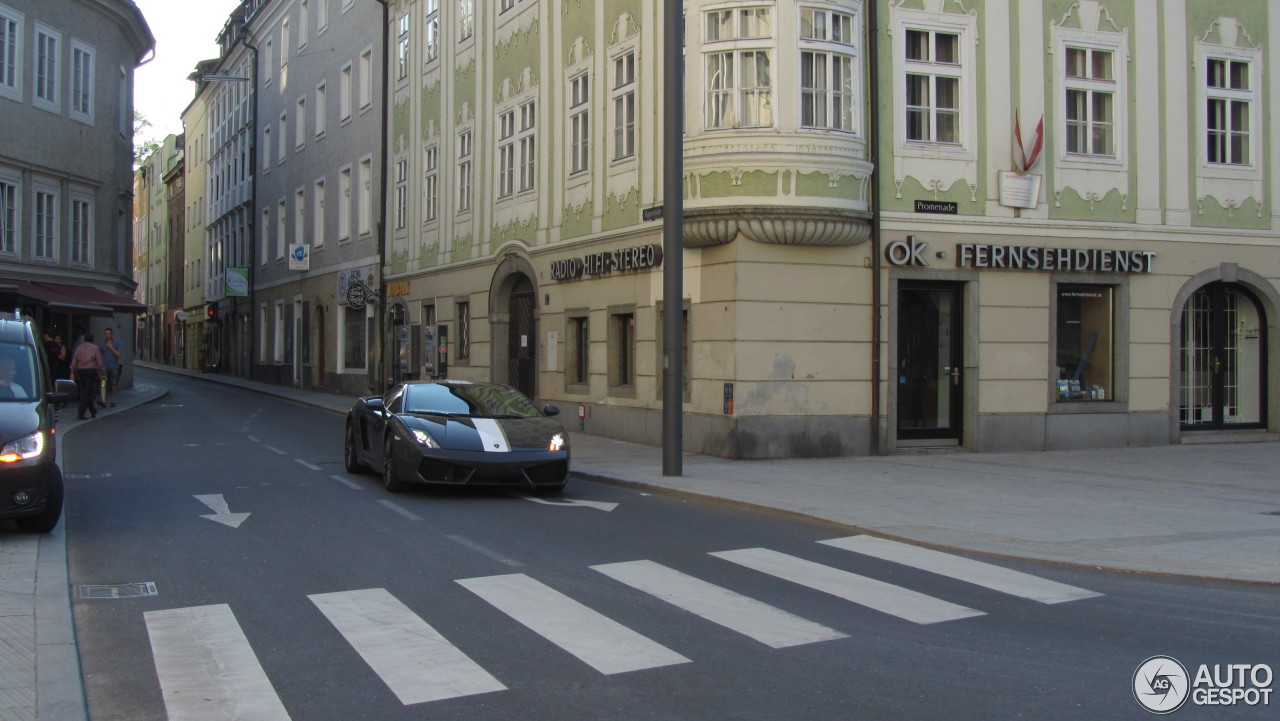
column 559, row 442
column 23, row 449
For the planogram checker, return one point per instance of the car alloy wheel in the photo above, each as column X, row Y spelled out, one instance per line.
column 390, row 477
column 349, row 458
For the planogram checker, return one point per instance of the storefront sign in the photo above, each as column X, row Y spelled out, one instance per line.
column 355, row 286
column 299, row 256
column 1030, row 257
column 398, row 288
column 237, row 283
column 1019, row 190
column 640, row 257
column 906, row 252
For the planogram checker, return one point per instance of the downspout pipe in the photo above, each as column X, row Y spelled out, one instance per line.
column 382, row 371
column 873, row 148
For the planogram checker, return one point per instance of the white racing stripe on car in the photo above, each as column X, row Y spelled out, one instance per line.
column 491, row 435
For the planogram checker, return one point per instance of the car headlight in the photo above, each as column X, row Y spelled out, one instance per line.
column 559, row 442
column 23, row 449
column 424, row 438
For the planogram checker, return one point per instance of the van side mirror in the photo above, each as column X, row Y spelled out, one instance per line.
column 550, row 410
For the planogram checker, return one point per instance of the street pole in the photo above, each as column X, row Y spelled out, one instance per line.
column 673, row 239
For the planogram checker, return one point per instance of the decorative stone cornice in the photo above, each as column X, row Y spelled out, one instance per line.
column 704, row 228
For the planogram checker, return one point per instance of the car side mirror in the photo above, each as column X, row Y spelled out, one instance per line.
column 550, row 410
column 64, row 391
column 376, row 404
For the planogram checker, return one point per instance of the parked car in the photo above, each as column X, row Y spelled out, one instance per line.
column 30, row 479
column 457, row 433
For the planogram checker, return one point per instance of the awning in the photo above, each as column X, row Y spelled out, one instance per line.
column 81, row 299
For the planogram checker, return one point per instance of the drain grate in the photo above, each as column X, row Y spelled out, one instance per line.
column 120, row 590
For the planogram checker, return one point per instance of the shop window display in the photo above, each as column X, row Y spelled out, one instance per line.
column 1086, row 343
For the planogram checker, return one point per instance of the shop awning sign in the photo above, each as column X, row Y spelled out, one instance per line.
column 640, row 257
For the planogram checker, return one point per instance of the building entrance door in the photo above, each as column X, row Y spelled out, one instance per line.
column 930, row 366
column 523, row 339
column 1223, row 360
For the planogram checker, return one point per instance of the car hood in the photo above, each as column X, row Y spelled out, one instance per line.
column 487, row 434
column 18, row 419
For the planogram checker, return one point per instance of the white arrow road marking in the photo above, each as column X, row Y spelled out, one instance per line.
column 568, row 502
column 221, row 511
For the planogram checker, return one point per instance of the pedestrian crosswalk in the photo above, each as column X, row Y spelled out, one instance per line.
column 207, row 668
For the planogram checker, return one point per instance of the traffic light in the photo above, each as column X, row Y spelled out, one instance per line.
column 211, row 312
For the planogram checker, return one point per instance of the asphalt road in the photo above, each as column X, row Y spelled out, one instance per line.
column 333, row 599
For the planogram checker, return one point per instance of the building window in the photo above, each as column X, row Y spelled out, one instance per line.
column 402, row 194
column 344, row 203
column 364, row 208
column 366, row 78
column 466, row 19
column 268, row 58
column 1090, row 101
column 281, row 155
column 47, row 47
column 81, row 231
column 624, row 106
column 299, row 216
column 622, row 351
column 81, row 82
column 304, row 16
column 266, row 150
column 506, row 153
column 505, row 5
column 1229, row 100
column 262, row 333
column 353, row 339
column 300, row 119
column 827, row 74
column 738, row 79
column 402, row 49
column 322, row 16
column 8, row 217
column 264, row 238
column 528, row 146
column 277, row 344
column 344, row 93
column 46, row 225
column 431, row 31
column 933, row 71
column 317, row 229
column 282, row 221
column 322, row 109
column 464, row 171
column 577, row 352
column 10, row 53
column 284, row 54
column 1086, row 346
column 430, row 188
column 462, row 335
column 579, row 123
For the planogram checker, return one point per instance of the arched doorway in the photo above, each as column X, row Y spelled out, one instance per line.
column 523, row 337
column 1223, row 359
column 513, row 324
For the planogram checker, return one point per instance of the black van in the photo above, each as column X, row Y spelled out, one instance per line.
column 30, row 480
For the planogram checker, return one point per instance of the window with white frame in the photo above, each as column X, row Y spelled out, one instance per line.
column 505, row 5
column 366, row 78
column 1090, row 102
column 344, row 93
column 466, row 19
column 364, row 207
column 283, row 139
column 304, row 18
column 268, row 62
column 264, row 238
column 528, row 146
column 430, row 180
column 48, row 45
column 317, row 209
column 579, row 123
column 46, row 224
column 277, row 343
column 299, row 216
column 262, row 332
column 322, row 16
column 81, row 81
column 828, row 76
column 402, row 194
column 284, row 53
column 464, row 171
column 300, row 124
column 81, row 230
column 322, row 109
column 1229, row 102
column 344, row 203
column 738, row 78
column 266, row 150
column 402, row 48
column 933, row 70
column 9, row 195
column 10, row 53
column 506, row 153
column 431, row 31
column 624, row 105
column 281, row 226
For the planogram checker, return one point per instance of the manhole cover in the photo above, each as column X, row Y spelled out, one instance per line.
column 120, row 590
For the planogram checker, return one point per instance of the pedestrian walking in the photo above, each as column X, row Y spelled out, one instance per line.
column 86, row 364
column 110, row 348
column 58, row 359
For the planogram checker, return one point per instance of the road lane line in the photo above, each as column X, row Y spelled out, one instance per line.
column 412, row 658
column 1014, row 583
column 487, row 552
column 254, row 438
column 768, row 625
column 598, row 641
column 273, row 449
column 207, row 668
column 402, row 511
column 877, row 595
column 304, row 464
column 348, row 483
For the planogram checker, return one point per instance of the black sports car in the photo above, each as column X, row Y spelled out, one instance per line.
column 455, row 432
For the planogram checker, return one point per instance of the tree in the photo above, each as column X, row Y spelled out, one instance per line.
column 142, row 148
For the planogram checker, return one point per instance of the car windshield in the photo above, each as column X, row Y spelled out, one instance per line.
column 487, row 401
column 17, row 373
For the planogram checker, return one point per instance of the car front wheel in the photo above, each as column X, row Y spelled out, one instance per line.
column 390, row 475
column 349, row 458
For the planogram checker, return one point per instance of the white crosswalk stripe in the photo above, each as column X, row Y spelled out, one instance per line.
column 768, row 625
column 877, row 595
column 206, row 667
column 596, row 640
column 1005, row 580
column 412, row 658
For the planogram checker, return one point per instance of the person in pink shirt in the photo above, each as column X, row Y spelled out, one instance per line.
column 86, row 367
